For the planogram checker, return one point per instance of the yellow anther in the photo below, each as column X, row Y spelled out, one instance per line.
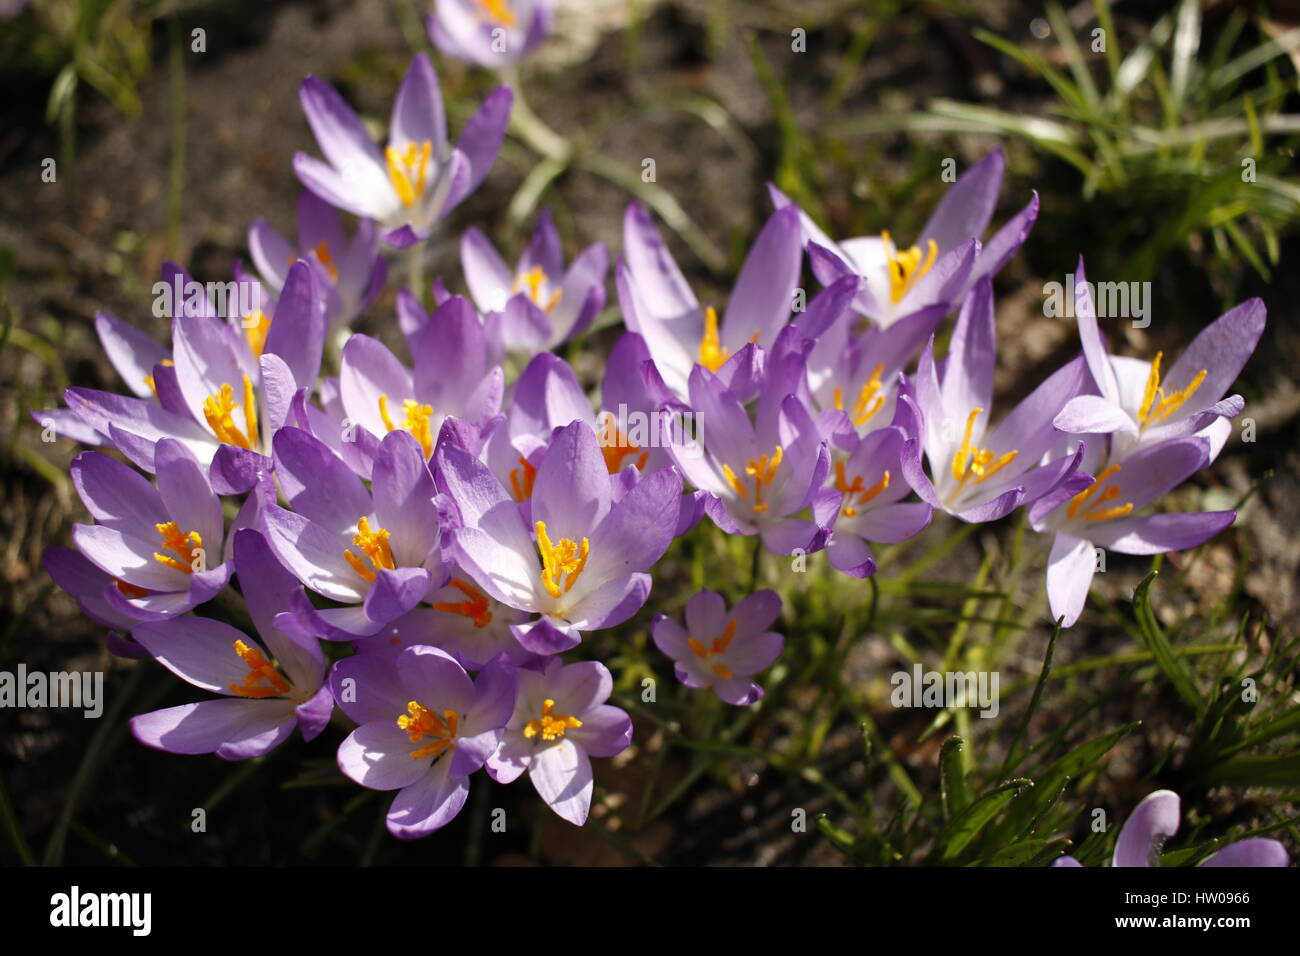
column 712, row 355
column 182, row 545
column 971, row 460
column 869, row 398
column 256, row 328
column 262, row 679
column 1091, row 508
column 521, row 480
column 717, row 646
column 763, row 470
column 374, row 545
column 496, row 11
column 906, row 268
column 476, row 608
column 853, row 489
column 420, row 722
column 563, row 561
column 416, row 419
column 322, row 252
column 616, row 446
column 409, row 170
column 218, row 409
column 534, row 279
column 1156, row 405
column 550, row 725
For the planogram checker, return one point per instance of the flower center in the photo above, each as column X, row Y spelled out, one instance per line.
column 1084, row 506
column 322, row 253
column 869, row 398
column 262, row 679
column 218, row 408
column 1156, row 405
column 855, row 489
column 496, row 11
column 420, row 722
column 712, row 355
column 186, row 546
column 521, row 480
column 256, row 328
column 415, row 419
column 717, row 647
column 762, row 470
column 409, row 170
column 550, row 724
column 564, row 561
column 374, row 545
column 971, row 460
column 475, row 608
column 535, row 280
column 906, row 268
column 616, row 446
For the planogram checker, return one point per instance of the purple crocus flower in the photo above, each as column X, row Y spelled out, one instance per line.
column 419, row 177
column 425, row 728
column 560, row 721
column 659, row 305
column 757, row 474
column 579, row 562
column 977, row 473
column 947, row 259
column 871, row 508
column 538, row 305
column 1139, row 404
column 721, row 650
column 351, row 272
column 490, row 33
column 374, row 551
column 453, row 377
column 265, row 697
column 163, row 547
column 1100, row 514
column 1156, row 819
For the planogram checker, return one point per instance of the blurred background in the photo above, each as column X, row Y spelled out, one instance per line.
column 1136, row 149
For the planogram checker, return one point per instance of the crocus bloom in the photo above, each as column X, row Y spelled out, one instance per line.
column 580, row 561
column 351, row 272
column 374, row 551
column 163, row 547
column 1156, row 819
column 419, row 177
column 560, row 721
column 943, row 265
column 265, row 697
column 1100, row 514
column 537, row 305
column 425, row 727
column 758, row 474
column 978, row 473
column 453, row 376
column 659, row 305
column 722, row 650
column 1141, row 404
column 871, row 508
column 491, row 33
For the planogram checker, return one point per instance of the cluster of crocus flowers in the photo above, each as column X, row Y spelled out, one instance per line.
column 463, row 532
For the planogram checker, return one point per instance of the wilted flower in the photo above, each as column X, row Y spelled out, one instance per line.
column 721, row 650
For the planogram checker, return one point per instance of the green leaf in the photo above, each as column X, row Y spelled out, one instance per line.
column 1174, row 667
column 1258, row 771
column 952, row 778
column 956, row 836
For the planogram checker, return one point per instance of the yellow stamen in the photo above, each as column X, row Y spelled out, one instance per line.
column 717, row 646
column 558, row 560
column 971, row 460
column 496, row 11
column 521, row 480
column 762, row 470
column 415, row 419
column 712, row 355
column 259, row 670
column 476, row 608
column 420, row 722
column 906, row 268
column 323, row 256
column 533, row 279
column 218, row 408
column 409, row 170
column 374, row 544
column 616, row 446
column 1094, row 510
column 854, row 488
column 869, row 398
column 1156, row 405
column 181, row 544
column 550, row 724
